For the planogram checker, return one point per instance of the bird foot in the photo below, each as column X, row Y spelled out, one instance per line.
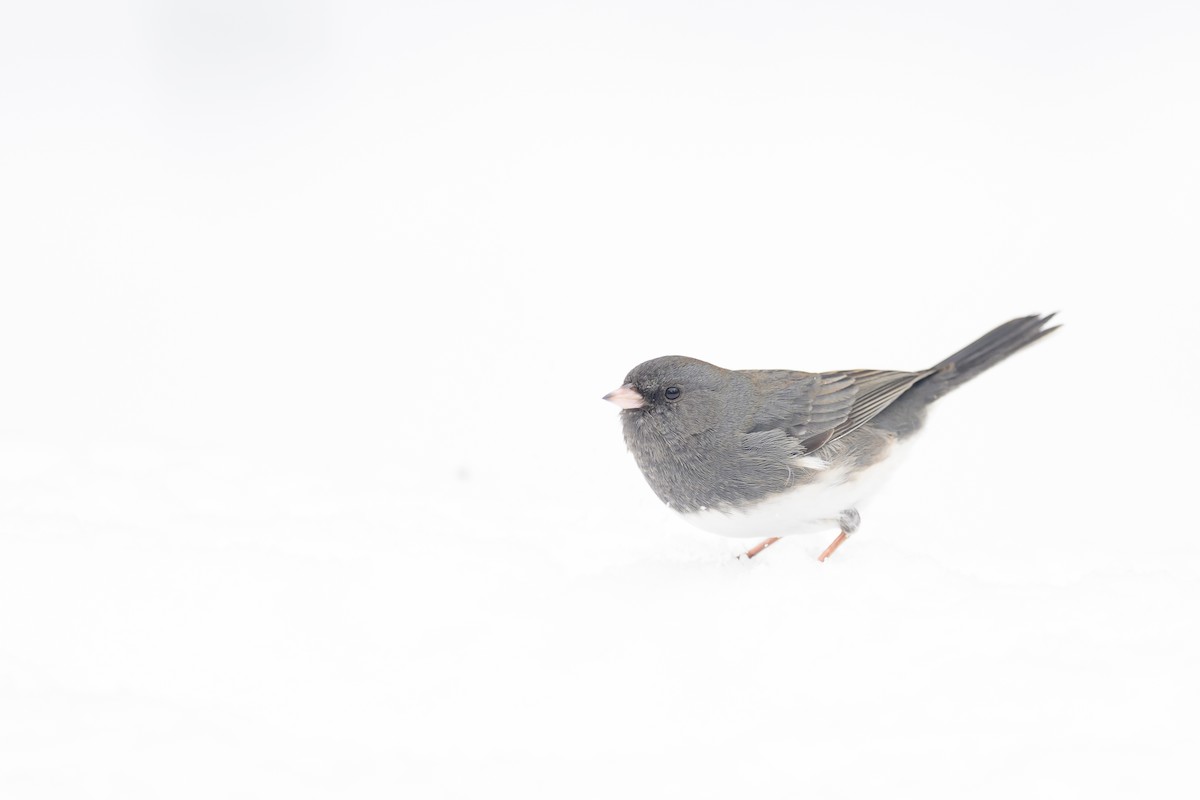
column 758, row 548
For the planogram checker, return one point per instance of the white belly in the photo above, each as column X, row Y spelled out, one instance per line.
column 809, row 507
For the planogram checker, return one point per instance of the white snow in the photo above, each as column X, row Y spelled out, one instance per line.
column 307, row 489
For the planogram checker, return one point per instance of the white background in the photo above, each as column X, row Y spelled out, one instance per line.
column 306, row 309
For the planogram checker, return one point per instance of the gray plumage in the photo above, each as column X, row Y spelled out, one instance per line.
column 726, row 440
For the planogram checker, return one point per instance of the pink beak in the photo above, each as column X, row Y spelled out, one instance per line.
column 626, row 397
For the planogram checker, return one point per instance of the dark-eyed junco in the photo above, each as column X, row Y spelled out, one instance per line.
column 768, row 453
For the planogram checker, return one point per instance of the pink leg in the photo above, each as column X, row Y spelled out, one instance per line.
column 758, row 548
column 841, row 537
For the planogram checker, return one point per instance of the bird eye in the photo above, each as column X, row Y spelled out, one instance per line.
column 672, row 393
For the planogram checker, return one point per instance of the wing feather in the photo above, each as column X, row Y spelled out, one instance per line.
column 819, row 408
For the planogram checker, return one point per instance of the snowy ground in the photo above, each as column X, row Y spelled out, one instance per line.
column 307, row 490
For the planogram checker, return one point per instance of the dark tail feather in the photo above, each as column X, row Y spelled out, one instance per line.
column 984, row 353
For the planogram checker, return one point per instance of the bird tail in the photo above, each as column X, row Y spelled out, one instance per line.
column 984, row 353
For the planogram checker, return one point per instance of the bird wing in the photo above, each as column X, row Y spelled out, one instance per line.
column 819, row 408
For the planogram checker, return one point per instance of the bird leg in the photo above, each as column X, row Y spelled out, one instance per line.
column 849, row 521
column 841, row 537
column 758, row 548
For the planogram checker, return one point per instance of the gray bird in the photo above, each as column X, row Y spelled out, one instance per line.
column 769, row 453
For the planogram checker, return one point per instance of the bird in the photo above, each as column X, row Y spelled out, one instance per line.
column 768, row 453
